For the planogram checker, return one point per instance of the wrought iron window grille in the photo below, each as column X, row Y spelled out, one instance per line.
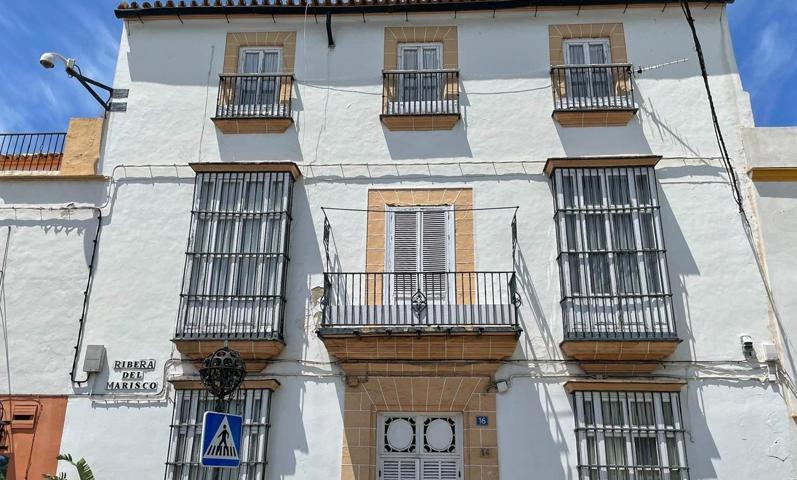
column 630, row 436
column 611, row 254
column 237, row 256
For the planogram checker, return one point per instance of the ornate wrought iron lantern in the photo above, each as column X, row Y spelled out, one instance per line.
column 222, row 373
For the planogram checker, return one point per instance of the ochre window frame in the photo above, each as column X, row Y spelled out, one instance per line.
column 614, row 33
column 448, row 37
column 237, row 40
column 376, row 236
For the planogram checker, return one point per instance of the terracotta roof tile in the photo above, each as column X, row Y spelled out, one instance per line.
column 232, row 7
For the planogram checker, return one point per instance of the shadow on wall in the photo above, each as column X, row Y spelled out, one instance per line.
column 258, row 147
column 681, row 264
column 532, row 301
column 531, row 407
column 54, row 192
column 432, row 144
column 84, row 228
column 601, row 141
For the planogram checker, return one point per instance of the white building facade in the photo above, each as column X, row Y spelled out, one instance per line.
column 453, row 240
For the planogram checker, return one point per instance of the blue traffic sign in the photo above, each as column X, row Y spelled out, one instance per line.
column 221, row 440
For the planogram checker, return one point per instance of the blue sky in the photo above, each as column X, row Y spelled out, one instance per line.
column 36, row 100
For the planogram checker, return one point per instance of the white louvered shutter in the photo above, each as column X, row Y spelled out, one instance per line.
column 434, row 250
column 399, row 469
column 440, row 470
column 405, row 254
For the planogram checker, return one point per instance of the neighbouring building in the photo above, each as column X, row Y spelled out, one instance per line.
column 451, row 239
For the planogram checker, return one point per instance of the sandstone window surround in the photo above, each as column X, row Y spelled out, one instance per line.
column 439, row 113
column 615, row 107
column 240, row 108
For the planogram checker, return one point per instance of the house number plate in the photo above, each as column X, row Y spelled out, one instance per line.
column 482, row 420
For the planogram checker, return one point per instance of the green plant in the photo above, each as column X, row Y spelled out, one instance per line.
column 83, row 470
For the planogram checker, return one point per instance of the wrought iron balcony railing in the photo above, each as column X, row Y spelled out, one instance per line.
column 31, row 151
column 593, row 87
column 420, row 299
column 243, row 96
column 420, row 92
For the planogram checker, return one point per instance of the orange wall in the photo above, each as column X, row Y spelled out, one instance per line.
column 33, row 448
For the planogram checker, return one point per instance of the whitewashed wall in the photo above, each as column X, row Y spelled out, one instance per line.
column 740, row 427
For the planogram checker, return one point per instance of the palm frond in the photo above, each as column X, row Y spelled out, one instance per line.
column 83, row 470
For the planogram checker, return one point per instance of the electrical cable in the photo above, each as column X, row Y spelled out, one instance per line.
column 86, row 295
column 736, row 189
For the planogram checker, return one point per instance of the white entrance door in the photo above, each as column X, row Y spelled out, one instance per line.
column 419, row 446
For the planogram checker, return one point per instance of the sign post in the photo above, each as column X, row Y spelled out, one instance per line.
column 221, row 440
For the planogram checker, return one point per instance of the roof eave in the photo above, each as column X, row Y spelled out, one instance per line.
column 358, row 7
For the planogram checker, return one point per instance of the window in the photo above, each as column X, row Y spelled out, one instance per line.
column 420, row 447
column 584, row 79
column 420, row 58
column 420, row 250
column 186, row 433
column 611, row 253
column 237, row 255
column 630, row 436
column 259, row 87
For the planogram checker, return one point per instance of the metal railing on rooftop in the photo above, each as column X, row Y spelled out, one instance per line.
column 31, row 151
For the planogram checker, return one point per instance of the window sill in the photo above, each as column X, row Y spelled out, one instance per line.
column 608, row 357
column 609, row 117
column 253, row 351
column 424, row 122
column 252, row 125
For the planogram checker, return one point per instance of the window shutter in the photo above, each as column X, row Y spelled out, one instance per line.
column 405, row 252
column 440, row 470
column 434, row 240
column 399, row 469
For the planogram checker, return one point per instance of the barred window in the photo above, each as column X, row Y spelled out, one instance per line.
column 236, row 261
column 186, row 433
column 612, row 260
column 630, row 436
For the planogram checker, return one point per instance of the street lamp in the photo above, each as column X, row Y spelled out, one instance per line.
column 222, row 372
column 48, row 61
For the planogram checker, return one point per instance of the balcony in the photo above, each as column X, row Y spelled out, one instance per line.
column 31, row 152
column 233, row 289
column 254, row 103
column 627, row 333
column 420, row 99
column 593, row 95
column 420, row 316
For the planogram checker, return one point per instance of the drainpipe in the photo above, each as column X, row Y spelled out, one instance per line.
column 330, row 40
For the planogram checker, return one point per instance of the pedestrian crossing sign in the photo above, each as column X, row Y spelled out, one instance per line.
column 221, row 440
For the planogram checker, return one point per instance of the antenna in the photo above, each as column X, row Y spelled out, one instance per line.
column 642, row 70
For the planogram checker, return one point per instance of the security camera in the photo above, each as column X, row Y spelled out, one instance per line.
column 48, row 60
column 747, row 345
